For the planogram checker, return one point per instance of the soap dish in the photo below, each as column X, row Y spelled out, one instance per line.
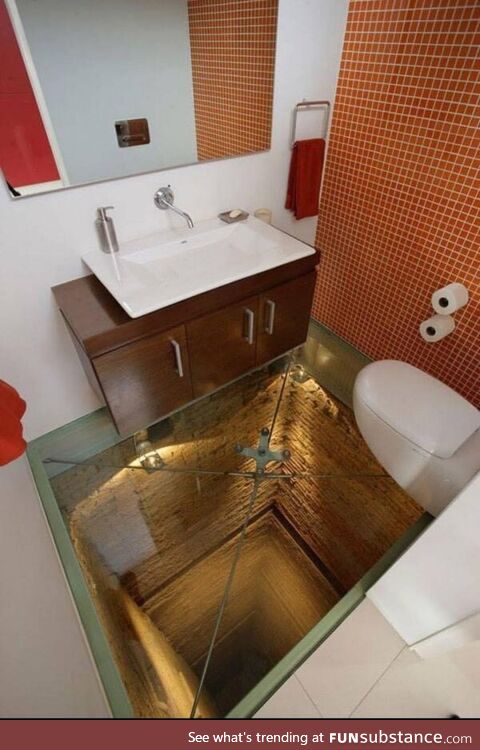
column 226, row 216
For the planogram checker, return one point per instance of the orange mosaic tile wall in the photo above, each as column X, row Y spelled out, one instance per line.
column 233, row 60
column 399, row 211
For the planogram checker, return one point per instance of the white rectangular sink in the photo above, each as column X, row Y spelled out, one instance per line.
column 168, row 267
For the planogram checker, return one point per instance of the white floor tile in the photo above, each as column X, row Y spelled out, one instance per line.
column 427, row 688
column 341, row 672
column 289, row 702
column 455, row 676
column 458, row 635
column 402, row 692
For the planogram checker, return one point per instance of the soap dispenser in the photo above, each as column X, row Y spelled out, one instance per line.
column 106, row 230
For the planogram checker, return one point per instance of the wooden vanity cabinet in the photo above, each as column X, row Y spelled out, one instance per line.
column 226, row 344
column 150, row 376
column 149, row 366
column 222, row 345
column 283, row 318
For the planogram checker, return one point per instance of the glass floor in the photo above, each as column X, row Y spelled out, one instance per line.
column 206, row 553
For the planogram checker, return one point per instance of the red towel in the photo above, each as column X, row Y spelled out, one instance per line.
column 305, row 177
column 12, row 409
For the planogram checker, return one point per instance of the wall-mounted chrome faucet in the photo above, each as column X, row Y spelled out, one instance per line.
column 164, row 198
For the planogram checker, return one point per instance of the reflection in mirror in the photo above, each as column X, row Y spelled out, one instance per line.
column 93, row 91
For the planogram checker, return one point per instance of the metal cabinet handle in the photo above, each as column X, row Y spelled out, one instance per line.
column 270, row 305
column 178, row 357
column 250, row 316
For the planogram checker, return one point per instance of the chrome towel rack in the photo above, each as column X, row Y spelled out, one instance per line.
column 305, row 104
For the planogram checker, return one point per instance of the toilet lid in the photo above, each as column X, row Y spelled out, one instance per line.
column 421, row 408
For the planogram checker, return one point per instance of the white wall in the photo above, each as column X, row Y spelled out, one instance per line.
column 436, row 582
column 45, row 663
column 86, row 55
column 42, row 239
column 310, row 40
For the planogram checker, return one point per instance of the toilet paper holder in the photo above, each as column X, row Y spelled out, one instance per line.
column 445, row 301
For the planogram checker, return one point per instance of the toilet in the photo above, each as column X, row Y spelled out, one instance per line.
column 424, row 434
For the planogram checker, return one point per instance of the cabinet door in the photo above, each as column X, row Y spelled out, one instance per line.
column 146, row 380
column 284, row 314
column 222, row 345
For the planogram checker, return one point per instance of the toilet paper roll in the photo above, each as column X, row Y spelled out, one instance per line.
column 450, row 298
column 437, row 327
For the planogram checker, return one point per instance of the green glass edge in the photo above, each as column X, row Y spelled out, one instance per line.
column 264, row 689
column 80, row 439
column 323, row 330
column 110, row 677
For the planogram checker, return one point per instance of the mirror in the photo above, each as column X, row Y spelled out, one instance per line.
column 99, row 90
